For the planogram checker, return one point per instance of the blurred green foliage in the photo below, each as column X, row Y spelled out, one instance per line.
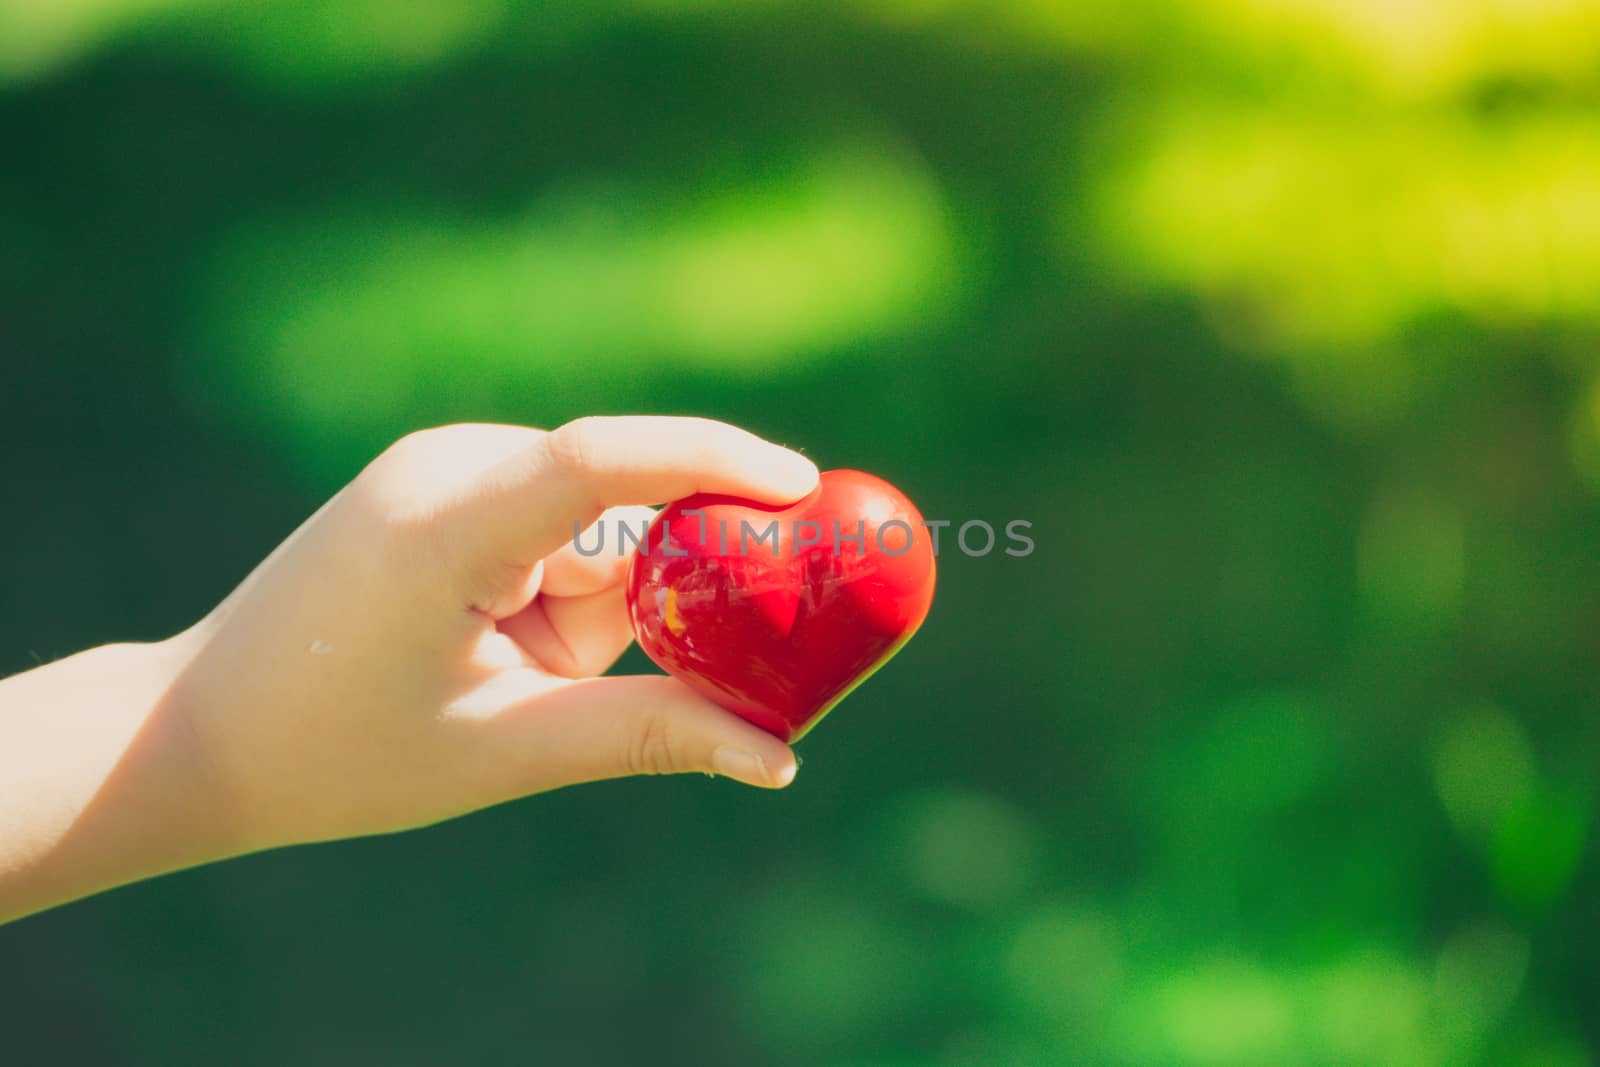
column 1278, row 319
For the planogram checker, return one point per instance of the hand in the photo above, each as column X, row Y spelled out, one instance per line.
column 428, row 642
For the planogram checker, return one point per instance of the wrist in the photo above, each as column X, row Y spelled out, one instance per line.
column 205, row 796
column 102, row 777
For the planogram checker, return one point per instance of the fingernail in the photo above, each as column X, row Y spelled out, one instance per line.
column 742, row 766
column 787, row 772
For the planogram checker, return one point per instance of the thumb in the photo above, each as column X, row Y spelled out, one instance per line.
column 598, row 728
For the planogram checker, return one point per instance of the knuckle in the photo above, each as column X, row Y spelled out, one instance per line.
column 652, row 751
column 701, row 424
column 572, row 445
column 401, row 474
column 711, row 437
column 413, row 446
column 398, row 501
column 389, row 486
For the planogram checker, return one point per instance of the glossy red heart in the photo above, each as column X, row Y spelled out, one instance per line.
column 778, row 627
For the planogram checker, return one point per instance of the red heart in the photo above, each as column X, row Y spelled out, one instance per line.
column 773, row 628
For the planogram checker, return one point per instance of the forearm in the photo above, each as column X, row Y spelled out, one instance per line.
column 101, row 780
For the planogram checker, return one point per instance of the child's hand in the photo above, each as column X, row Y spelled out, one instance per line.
column 427, row 643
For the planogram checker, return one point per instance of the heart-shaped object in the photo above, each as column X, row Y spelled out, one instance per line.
column 777, row 613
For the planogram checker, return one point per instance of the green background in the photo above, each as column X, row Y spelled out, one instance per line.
column 1279, row 322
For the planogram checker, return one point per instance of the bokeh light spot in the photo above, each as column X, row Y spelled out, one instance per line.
column 1221, row 1012
column 1066, row 960
column 965, row 848
column 1411, row 558
column 38, row 34
column 366, row 327
column 824, row 965
column 1370, row 1008
column 1392, row 219
column 1482, row 764
column 1255, row 757
column 1538, row 844
column 1480, row 971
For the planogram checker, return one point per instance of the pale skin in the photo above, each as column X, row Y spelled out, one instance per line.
column 427, row 644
